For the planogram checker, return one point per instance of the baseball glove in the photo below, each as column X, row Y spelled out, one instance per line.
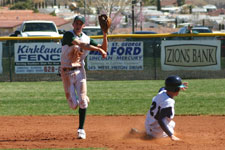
column 104, row 22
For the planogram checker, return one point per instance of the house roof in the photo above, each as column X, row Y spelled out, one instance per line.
column 165, row 3
column 209, row 6
column 217, row 12
column 13, row 18
column 9, row 24
column 168, row 3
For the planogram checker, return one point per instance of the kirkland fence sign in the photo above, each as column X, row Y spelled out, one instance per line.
column 121, row 56
column 37, row 57
column 191, row 55
column 0, row 57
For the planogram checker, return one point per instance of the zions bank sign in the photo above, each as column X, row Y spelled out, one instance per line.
column 190, row 55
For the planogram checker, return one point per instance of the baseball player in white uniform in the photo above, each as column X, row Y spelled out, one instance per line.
column 159, row 121
column 75, row 46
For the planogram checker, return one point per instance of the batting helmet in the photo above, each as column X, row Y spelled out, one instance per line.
column 173, row 83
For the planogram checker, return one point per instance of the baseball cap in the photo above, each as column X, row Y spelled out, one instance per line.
column 81, row 18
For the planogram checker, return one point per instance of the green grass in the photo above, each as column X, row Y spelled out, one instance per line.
column 203, row 97
column 61, row 149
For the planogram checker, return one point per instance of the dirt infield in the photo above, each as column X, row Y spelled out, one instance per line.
column 111, row 132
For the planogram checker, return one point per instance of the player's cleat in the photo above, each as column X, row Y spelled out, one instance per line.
column 81, row 134
column 134, row 131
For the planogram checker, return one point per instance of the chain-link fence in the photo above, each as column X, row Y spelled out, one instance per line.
column 151, row 61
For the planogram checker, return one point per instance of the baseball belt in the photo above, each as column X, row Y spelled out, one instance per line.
column 71, row 69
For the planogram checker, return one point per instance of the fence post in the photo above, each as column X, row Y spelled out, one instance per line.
column 10, row 64
column 154, row 55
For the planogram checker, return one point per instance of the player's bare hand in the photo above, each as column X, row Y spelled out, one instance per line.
column 185, row 86
column 103, row 53
column 174, row 138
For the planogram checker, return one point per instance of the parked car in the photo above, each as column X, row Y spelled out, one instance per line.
column 145, row 32
column 151, row 44
column 92, row 30
column 61, row 32
column 195, row 29
column 37, row 28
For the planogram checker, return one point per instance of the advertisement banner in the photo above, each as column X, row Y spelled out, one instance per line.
column 191, row 55
column 1, row 58
column 37, row 57
column 127, row 55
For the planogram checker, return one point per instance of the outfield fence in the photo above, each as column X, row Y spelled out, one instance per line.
column 130, row 57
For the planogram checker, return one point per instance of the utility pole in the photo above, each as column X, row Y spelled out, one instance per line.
column 84, row 8
column 133, row 3
column 141, row 15
column 158, row 5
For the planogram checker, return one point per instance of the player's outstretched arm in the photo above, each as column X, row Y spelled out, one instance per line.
column 87, row 46
column 166, row 112
column 104, row 42
column 104, row 45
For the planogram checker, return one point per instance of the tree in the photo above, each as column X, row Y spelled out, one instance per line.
column 148, row 2
column 23, row 4
column 180, row 2
column 152, row 2
column 108, row 7
column 187, row 9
